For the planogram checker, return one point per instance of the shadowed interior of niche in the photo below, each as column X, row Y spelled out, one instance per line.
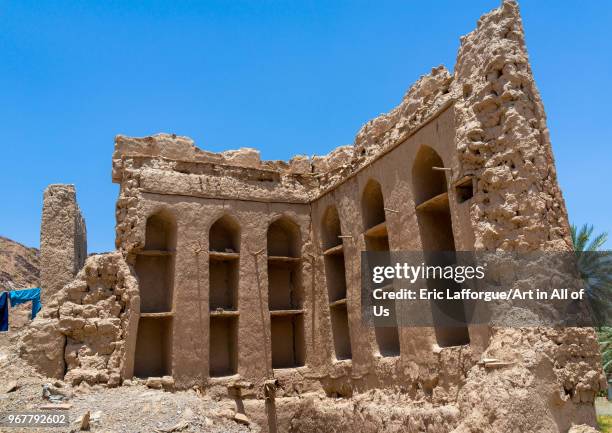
column 224, row 280
column 153, row 347
column 376, row 238
column 436, row 232
column 154, row 267
column 225, row 235
column 335, row 277
column 155, row 264
column 223, row 346
column 285, row 294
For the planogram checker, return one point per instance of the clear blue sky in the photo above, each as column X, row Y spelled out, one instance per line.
column 284, row 77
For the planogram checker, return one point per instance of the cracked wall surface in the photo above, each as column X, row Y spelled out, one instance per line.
column 63, row 238
column 84, row 331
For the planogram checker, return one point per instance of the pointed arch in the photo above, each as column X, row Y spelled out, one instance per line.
column 335, row 277
column 224, row 278
column 285, row 293
column 154, row 267
column 224, row 235
column 436, row 232
column 376, row 237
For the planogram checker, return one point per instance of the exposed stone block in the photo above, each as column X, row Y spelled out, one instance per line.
column 63, row 239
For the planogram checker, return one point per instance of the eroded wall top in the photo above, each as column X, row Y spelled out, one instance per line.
column 501, row 140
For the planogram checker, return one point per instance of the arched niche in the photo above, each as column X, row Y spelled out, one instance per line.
column 427, row 182
column 224, row 235
column 373, row 217
column 376, row 237
column 155, row 264
column 224, row 279
column 335, row 277
column 160, row 231
column 284, row 239
column 372, row 204
column 330, row 228
column 437, row 239
column 155, row 270
column 285, row 294
column 285, row 291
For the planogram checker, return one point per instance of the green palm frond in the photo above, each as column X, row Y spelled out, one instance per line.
column 596, row 270
column 582, row 238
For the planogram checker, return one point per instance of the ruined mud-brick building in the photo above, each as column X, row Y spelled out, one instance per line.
column 242, row 276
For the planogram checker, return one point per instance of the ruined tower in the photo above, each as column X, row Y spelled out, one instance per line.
column 63, row 238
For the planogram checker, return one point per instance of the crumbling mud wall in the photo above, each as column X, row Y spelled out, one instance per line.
column 63, row 239
column 503, row 140
column 374, row 412
column 86, row 331
column 249, row 271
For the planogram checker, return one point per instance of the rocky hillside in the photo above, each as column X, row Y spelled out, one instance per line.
column 19, row 267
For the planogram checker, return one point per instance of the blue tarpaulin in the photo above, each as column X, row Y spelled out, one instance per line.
column 22, row 296
column 4, row 305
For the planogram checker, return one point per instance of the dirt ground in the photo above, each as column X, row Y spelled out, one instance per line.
column 127, row 409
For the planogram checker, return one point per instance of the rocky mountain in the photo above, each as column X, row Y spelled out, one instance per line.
column 19, row 265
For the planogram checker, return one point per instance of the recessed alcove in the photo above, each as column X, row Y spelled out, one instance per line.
column 224, row 281
column 224, row 235
column 283, row 239
column 376, row 238
column 464, row 189
column 160, row 232
column 335, row 278
column 223, row 360
column 287, row 332
column 153, row 357
column 335, row 274
column 436, row 232
column 427, row 182
column 340, row 330
column 154, row 266
column 330, row 230
column 223, row 284
column 372, row 205
column 284, row 286
column 285, row 293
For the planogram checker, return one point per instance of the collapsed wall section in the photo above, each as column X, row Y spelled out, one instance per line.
column 63, row 239
column 503, row 141
column 503, row 145
column 86, row 332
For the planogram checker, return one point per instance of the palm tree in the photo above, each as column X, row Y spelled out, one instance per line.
column 604, row 336
column 595, row 267
column 582, row 238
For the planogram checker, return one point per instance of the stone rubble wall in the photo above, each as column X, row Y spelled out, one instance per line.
column 63, row 239
column 502, row 139
column 373, row 412
column 88, row 329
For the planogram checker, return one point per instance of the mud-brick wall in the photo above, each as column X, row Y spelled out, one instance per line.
column 63, row 238
column 240, row 232
column 338, row 352
column 422, row 364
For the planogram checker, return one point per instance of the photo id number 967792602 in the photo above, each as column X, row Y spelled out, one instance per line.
column 34, row 419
